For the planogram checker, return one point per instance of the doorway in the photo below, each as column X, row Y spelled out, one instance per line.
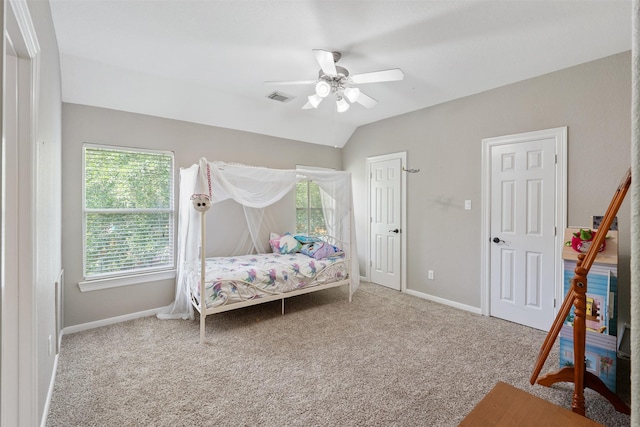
column 524, row 217
column 19, row 349
column 387, row 220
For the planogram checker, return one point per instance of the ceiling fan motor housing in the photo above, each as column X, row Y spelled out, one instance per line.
column 337, row 82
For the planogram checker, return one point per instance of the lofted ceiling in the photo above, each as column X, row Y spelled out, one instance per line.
column 207, row 61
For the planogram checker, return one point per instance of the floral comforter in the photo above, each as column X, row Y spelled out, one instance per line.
column 241, row 278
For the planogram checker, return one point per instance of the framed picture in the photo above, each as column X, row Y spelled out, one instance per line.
column 597, row 219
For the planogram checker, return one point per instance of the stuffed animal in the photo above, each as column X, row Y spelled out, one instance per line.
column 201, row 202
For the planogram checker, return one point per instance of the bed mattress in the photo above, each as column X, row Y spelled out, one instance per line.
column 246, row 277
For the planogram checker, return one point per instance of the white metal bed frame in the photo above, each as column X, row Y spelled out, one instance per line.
column 200, row 304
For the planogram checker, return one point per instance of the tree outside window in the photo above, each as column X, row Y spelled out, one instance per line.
column 309, row 214
column 128, row 211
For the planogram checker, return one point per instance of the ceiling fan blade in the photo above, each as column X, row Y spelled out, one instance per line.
column 366, row 100
column 290, row 82
column 307, row 106
column 394, row 74
column 325, row 59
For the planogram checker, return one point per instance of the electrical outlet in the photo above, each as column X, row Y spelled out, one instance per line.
column 467, row 205
column 430, row 274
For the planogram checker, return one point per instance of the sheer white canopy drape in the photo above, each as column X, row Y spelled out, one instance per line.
column 255, row 188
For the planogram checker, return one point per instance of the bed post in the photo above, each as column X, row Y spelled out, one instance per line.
column 201, row 204
column 349, row 265
column 203, row 276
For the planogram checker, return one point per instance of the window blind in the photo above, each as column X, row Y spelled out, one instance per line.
column 128, row 211
column 310, row 218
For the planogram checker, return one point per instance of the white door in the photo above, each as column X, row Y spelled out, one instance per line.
column 386, row 224
column 523, row 231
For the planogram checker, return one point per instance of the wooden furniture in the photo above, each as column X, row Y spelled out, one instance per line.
column 577, row 297
column 602, row 310
column 508, row 406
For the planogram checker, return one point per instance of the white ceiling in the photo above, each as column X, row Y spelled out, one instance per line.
column 207, row 61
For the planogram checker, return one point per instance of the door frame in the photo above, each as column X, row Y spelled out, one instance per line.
column 19, row 402
column 403, row 214
column 560, row 136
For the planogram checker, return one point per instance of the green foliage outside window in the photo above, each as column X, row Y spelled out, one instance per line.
column 309, row 214
column 128, row 211
column 127, row 179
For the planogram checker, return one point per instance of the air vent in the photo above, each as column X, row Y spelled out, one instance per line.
column 280, row 97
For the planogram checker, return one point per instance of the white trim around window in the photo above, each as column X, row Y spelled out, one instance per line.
column 123, row 277
column 133, row 279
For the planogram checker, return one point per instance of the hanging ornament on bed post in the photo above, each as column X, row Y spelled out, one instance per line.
column 202, row 203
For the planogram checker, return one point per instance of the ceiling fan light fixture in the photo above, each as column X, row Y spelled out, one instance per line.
column 315, row 100
column 342, row 105
column 352, row 94
column 323, row 88
column 334, row 79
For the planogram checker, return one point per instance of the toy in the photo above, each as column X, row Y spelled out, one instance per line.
column 581, row 241
column 201, row 202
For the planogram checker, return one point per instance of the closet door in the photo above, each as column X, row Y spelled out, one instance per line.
column 386, row 224
column 523, row 239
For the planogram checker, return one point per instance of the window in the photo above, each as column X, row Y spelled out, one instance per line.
column 310, row 218
column 309, row 213
column 128, row 216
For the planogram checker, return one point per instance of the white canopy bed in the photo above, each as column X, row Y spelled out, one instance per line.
column 273, row 266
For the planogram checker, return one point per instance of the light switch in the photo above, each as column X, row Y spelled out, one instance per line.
column 467, row 205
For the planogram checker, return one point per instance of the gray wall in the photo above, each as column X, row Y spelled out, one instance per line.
column 593, row 100
column 189, row 142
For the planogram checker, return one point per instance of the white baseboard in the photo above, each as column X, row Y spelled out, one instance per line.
column 47, row 403
column 454, row 304
column 110, row 321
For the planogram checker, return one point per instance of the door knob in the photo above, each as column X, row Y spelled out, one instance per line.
column 394, row 231
column 498, row 240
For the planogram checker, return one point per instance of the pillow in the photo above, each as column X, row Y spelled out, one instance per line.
column 274, row 242
column 285, row 244
column 320, row 250
column 307, row 239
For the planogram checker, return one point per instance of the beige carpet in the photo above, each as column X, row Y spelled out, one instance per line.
column 385, row 359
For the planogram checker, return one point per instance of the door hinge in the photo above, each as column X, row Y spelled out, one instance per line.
column 556, row 159
column 554, row 303
column 371, row 265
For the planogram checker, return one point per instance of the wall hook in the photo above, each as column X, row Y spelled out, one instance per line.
column 410, row 170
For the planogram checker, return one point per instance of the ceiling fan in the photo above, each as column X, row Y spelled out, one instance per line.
column 335, row 79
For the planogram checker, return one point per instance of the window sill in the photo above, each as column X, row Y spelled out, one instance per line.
column 114, row 282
